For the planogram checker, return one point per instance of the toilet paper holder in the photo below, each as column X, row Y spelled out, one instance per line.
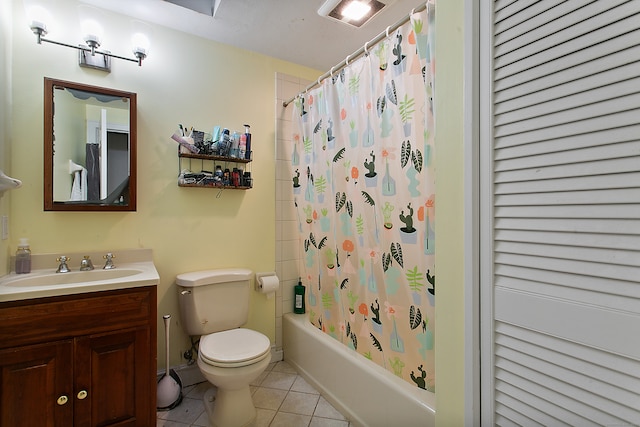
column 259, row 279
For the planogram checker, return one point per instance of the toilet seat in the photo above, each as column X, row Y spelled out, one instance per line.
column 234, row 348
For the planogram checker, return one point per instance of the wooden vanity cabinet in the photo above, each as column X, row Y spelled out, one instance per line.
column 79, row 360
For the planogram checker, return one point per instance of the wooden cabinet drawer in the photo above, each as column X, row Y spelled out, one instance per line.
column 48, row 319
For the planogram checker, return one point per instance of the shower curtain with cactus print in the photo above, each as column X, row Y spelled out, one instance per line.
column 363, row 179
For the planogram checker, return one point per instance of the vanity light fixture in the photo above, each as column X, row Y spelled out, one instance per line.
column 352, row 12
column 88, row 54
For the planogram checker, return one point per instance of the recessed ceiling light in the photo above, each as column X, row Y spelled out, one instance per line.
column 352, row 12
column 355, row 11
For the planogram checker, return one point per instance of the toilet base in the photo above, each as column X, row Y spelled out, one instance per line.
column 229, row 408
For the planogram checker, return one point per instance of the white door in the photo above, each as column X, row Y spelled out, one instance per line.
column 560, row 212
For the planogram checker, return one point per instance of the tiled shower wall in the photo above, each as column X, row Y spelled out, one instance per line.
column 288, row 253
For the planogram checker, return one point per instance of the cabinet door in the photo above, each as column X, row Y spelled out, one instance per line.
column 112, row 379
column 36, row 385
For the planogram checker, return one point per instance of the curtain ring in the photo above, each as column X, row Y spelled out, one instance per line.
column 366, row 49
column 387, row 31
column 346, row 61
column 318, row 81
column 331, row 71
column 413, row 11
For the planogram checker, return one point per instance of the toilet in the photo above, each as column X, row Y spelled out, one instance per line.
column 214, row 304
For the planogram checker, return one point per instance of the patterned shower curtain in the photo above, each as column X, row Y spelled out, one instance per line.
column 365, row 195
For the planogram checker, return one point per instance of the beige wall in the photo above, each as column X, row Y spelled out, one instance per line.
column 185, row 80
column 202, row 83
column 450, row 314
column 5, row 119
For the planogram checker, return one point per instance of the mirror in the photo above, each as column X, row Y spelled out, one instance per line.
column 89, row 148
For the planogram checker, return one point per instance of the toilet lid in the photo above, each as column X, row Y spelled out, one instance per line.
column 234, row 347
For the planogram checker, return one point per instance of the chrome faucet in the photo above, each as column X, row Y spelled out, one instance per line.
column 86, row 264
column 63, row 267
column 109, row 264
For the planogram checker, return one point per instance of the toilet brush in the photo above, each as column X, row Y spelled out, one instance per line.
column 170, row 385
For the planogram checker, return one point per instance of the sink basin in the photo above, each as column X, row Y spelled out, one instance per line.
column 56, row 279
column 134, row 268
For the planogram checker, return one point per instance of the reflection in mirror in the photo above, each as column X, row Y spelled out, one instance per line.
column 90, row 148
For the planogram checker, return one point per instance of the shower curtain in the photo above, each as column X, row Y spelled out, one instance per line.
column 364, row 191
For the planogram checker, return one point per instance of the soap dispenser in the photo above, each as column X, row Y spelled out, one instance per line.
column 23, row 257
column 247, row 142
column 298, row 302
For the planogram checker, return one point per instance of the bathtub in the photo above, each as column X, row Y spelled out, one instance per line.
column 367, row 394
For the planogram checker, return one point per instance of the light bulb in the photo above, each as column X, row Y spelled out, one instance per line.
column 355, row 10
column 140, row 39
column 92, row 30
column 38, row 18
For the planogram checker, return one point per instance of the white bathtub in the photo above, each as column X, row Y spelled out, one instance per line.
column 364, row 392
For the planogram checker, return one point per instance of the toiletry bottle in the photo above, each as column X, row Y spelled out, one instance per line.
column 23, row 257
column 235, row 144
column 298, row 302
column 242, row 147
column 247, row 135
column 224, row 143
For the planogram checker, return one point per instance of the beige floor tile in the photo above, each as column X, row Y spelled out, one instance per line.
column 264, row 417
column 327, row 422
column 268, row 398
column 279, row 380
column 326, row 410
column 284, row 419
column 260, row 378
column 202, row 421
column 283, row 366
column 299, row 403
column 187, row 412
column 301, row 385
column 198, row 391
column 166, row 423
column 287, row 400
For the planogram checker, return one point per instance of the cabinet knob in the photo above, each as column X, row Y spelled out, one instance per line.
column 62, row 400
column 82, row 394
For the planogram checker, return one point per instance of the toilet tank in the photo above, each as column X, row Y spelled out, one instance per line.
column 214, row 300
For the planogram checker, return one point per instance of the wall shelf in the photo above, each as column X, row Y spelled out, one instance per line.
column 203, row 178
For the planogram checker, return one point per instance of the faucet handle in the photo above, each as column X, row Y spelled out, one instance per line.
column 109, row 264
column 63, row 268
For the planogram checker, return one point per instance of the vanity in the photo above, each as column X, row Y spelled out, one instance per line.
column 77, row 349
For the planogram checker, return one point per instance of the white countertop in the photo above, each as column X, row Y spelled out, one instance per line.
column 134, row 268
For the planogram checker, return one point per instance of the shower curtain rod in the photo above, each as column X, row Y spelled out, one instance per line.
column 357, row 53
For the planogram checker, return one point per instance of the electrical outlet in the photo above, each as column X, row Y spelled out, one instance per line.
column 5, row 227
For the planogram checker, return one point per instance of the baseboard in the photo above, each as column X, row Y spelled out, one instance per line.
column 277, row 354
column 189, row 374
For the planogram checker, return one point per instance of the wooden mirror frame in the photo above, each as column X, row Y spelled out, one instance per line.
column 49, row 141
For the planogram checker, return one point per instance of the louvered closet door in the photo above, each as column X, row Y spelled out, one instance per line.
column 561, row 236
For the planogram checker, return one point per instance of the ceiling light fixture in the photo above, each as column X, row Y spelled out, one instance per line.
column 353, row 12
column 92, row 33
column 356, row 10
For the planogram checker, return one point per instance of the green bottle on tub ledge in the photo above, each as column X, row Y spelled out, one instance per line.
column 298, row 301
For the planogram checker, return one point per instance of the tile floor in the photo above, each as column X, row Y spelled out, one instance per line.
column 282, row 399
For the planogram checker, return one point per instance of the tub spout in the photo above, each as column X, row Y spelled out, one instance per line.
column 86, row 264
